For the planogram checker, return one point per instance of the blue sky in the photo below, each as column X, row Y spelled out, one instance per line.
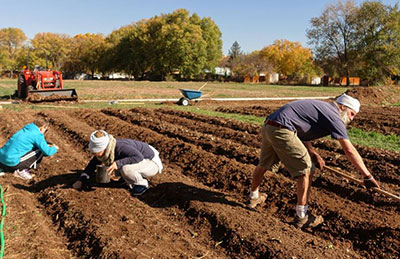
column 253, row 23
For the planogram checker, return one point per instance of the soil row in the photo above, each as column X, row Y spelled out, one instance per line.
column 28, row 232
column 197, row 202
column 198, row 164
column 133, row 119
column 384, row 164
column 384, row 120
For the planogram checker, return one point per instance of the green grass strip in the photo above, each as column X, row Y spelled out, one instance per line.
column 3, row 213
column 236, row 116
column 374, row 139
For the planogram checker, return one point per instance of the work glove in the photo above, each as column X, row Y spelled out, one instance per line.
column 370, row 182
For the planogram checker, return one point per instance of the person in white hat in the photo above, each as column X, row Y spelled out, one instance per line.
column 286, row 137
column 133, row 159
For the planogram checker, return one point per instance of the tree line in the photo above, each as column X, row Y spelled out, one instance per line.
column 364, row 41
column 149, row 49
column 346, row 40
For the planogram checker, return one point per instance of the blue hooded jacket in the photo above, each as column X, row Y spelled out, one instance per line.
column 22, row 142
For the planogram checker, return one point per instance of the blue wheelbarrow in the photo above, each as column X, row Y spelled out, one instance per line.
column 189, row 95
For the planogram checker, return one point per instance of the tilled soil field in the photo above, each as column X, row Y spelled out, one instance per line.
column 195, row 208
column 384, row 120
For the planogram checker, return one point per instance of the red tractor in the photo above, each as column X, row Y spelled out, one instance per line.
column 43, row 81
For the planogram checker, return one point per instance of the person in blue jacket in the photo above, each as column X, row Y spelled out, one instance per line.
column 132, row 159
column 25, row 149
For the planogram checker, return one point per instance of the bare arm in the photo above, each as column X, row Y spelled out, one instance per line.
column 309, row 147
column 315, row 157
column 354, row 157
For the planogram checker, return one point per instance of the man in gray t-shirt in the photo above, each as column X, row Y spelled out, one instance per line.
column 286, row 137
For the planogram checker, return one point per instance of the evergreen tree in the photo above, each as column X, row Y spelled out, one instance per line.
column 235, row 51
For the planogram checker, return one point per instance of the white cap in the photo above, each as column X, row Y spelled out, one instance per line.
column 349, row 102
column 98, row 144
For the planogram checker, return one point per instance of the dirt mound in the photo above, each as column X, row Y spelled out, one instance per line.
column 375, row 95
column 37, row 98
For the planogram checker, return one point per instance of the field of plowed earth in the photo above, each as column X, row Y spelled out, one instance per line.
column 195, row 208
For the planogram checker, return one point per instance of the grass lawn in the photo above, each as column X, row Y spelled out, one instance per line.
column 111, row 90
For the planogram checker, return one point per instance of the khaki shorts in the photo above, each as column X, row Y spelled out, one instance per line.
column 279, row 144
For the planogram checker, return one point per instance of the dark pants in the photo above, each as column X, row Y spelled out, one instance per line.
column 31, row 159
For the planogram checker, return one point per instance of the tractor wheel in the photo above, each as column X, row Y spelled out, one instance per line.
column 29, row 88
column 185, row 102
column 21, row 92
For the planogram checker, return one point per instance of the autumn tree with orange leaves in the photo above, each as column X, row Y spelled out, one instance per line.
column 290, row 58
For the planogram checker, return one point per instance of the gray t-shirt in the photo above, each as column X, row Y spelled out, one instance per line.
column 311, row 119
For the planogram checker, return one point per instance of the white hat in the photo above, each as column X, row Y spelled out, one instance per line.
column 349, row 102
column 98, row 144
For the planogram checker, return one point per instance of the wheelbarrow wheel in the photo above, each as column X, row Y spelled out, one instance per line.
column 184, row 101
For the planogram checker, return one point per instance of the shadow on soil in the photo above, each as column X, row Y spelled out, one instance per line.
column 66, row 181
column 163, row 195
column 169, row 194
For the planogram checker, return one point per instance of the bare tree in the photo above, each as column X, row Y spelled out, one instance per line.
column 333, row 36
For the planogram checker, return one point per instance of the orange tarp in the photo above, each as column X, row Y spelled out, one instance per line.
column 353, row 81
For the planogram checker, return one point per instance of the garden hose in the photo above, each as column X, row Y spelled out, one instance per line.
column 3, row 213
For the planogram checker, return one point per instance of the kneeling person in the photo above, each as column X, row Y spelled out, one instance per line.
column 25, row 149
column 135, row 160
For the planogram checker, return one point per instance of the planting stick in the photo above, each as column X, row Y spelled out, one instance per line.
column 362, row 183
column 344, row 175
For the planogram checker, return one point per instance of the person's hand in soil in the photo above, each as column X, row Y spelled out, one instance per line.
column 113, row 167
column 81, row 183
column 77, row 185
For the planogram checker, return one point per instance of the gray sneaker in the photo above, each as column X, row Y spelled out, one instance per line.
column 309, row 221
column 23, row 174
column 254, row 202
